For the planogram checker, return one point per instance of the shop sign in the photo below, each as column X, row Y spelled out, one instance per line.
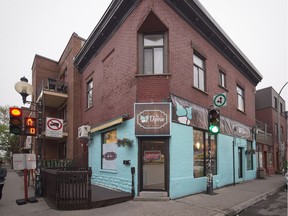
column 152, row 119
column 110, row 156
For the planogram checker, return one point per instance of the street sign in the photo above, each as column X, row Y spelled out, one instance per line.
column 54, row 127
column 220, row 100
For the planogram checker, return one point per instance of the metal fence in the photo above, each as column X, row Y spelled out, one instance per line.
column 68, row 188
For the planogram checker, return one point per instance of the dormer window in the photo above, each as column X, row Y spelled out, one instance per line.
column 153, row 46
column 153, row 54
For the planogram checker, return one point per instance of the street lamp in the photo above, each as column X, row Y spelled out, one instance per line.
column 25, row 89
column 279, row 126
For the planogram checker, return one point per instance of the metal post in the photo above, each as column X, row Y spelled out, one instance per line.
column 209, row 171
column 38, row 184
column 279, row 129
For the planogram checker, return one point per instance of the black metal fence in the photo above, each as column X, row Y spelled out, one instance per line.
column 68, row 188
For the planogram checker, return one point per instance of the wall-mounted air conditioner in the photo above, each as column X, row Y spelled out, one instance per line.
column 83, row 131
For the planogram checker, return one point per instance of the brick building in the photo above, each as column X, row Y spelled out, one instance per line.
column 56, row 87
column 149, row 72
column 267, row 106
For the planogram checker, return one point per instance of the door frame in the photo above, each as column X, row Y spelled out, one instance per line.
column 166, row 165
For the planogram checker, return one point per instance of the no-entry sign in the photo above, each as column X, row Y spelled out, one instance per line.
column 54, row 127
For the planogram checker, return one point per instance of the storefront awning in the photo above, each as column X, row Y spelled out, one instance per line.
column 110, row 123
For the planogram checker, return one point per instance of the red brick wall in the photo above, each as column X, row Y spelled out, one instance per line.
column 113, row 69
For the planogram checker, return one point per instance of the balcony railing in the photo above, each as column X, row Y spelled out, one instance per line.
column 54, row 92
column 264, row 138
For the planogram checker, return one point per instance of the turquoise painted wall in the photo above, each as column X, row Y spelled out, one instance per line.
column 182, row 182
column 120, row 178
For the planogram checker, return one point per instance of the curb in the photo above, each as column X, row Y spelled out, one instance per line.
column 242, row 206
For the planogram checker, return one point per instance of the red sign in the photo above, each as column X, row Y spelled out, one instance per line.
column 152, row 155
column 110, row 156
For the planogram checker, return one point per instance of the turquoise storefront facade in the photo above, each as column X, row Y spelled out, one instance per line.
column 181, row 181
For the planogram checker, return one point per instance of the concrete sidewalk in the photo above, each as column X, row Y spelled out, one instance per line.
column 225, row 201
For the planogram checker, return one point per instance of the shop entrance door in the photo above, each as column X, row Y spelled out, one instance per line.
column 153, row 166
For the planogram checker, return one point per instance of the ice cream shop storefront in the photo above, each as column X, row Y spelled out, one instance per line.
column 164, row 149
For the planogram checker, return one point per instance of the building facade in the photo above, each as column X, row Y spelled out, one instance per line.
column 57, row 94
column 273, row 153
column 149, row 72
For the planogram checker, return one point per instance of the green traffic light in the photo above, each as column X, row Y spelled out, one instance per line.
column 214, row 129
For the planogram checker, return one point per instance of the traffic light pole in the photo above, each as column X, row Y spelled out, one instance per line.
column 209, row 171
column 38, row 183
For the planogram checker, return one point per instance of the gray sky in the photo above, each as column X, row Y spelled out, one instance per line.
column 29, row 27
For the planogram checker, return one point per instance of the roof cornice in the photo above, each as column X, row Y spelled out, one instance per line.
column 112, row 19
column 197, row 16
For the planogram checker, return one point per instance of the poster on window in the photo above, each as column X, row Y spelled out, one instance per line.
column 109, row 156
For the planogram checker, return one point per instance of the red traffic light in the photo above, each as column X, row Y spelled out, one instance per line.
column 16, row 112
column 15, row 123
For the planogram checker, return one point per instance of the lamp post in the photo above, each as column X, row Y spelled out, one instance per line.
column 279, row 127
column 25, row 89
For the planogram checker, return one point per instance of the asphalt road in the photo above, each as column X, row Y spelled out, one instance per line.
column 274, row 205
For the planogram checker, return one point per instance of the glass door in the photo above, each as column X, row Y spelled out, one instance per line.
column 153, row 164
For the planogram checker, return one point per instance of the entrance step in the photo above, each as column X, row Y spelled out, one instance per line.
column 152, row 196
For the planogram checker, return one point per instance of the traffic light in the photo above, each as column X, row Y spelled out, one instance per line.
column 214, row 121
column 15, row 123
column 30, row 126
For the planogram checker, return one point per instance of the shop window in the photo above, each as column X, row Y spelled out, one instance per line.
column 201, row 156
column 249, row 155
column 89, row 93
column 199, row 72
column 109, row 150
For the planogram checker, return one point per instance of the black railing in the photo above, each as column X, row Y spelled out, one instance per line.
column 68, row 188
column 54, row 85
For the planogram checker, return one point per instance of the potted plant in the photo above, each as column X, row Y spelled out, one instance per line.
column 125, row 142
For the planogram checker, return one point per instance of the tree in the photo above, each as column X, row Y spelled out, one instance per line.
column 8, row 142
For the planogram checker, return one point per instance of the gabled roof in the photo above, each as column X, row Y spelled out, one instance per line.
column 189, row 10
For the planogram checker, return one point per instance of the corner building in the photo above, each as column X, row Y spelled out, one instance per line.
column 149, row 72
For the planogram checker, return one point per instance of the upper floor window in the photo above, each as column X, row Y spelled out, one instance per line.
column 199, row 72
column 281, row 108
column 89, row 93
column 153, row 54
column 240, row 99
column 275, row 103
column 222, row 79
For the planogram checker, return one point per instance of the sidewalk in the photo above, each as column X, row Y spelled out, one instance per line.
column 225, row 201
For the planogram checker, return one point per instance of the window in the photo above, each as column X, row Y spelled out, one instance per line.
column 281, row 108
column 249, row 155
column 276, row 131
column 275, row 103
column 201, row 156
column 240, row 99
column 153, row 54
column 89, row 93
column 199, row 72
column 109, row 148
column 222, row 79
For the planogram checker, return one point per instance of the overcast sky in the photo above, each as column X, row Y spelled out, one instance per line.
column 30, row 27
